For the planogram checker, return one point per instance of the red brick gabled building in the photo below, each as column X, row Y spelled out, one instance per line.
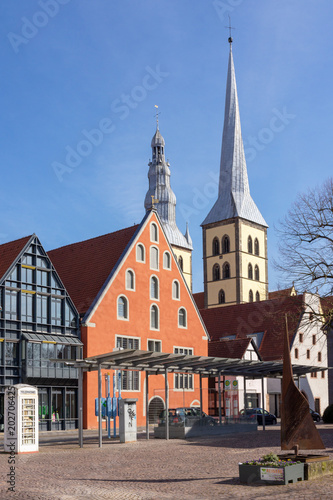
column 131, row 293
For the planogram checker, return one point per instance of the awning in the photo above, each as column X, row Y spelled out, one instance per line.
column 59, row 339
column 158, row 362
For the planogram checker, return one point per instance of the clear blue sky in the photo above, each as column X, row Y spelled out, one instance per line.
column 71, row 66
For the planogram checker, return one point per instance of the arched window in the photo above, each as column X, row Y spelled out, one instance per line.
column 182, row 320
column 175, row 290
column 166, row 260
column 225, row 244
column 249, row 245
column 153, row 258
column 154, row 319
column 257, row 297
column 140, row 253
column 221, row 297
column 122, row 307
column 153, row 232
column 226, row 271
column 256, row 246
column 130, row 280
column 216, row 272
column 250, row 296
column 181, row 263
column 256, row 273
column 154, row 288
column 216, row 246
column 250, row 272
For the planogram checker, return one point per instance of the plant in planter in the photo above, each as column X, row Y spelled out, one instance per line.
column 271, row 470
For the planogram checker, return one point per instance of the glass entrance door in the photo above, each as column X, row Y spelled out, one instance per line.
column 57, row 409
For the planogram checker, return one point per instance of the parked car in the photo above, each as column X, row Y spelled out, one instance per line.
column 187, row 416
column 315, row 415
column 256, row 413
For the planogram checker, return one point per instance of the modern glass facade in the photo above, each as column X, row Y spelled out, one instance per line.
column 38, row 325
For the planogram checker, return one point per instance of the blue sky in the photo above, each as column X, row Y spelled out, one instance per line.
column 71, row 67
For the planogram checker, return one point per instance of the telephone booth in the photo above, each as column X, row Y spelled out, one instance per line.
column 21, row 419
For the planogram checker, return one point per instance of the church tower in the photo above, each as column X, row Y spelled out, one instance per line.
column 161, row 198
column 234, row 231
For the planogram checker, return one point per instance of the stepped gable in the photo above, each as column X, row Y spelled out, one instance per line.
column 9, row 252
column 266, row 317
column 84, row 267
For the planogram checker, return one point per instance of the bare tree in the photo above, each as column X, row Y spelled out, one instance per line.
column 306, row 241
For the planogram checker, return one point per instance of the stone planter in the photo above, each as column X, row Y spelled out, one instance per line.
column 249, row 474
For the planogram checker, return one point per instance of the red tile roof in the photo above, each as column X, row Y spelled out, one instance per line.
column 286, row 292
column 199, row 299
column 234, row 349
column 9, row 251
column 85, row 266
column 267, row 316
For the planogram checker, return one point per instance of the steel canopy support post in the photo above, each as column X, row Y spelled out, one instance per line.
column 147, row 406
column 99, row 405
column 166, row 390
column 80, row 405
column 220, row 410
column 245, row 405
column 200, row 394
column 263, row 403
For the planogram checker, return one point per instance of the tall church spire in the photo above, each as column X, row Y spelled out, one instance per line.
column 234, row 199
column 160, row 189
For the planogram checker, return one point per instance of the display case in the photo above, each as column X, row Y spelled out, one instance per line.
column 21, row 419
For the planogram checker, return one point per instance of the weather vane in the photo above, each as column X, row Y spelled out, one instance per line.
column 157, row 114
column 154, row 201
column 230, row 28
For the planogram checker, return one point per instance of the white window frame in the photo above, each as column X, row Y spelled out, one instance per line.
column 158, row 258
column 121, row 318
column 158, row 287
column 139, row 244
column 155, row 341
column 180, row 378
column 159, row 317
column 126, row 286
column 173, row 297
column 124, row 373
column 179, row 325
column 164, row 255
column 153, row 227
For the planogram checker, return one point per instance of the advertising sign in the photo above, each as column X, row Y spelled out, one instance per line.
column 272, row 473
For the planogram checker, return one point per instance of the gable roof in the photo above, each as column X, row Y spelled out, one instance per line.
column 84, row 267
column 10, row 251
column 267, row 317
column 227, row 348
column 286, row 292
column 199, row 298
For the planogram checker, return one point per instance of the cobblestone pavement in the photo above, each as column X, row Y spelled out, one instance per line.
column 198, row 468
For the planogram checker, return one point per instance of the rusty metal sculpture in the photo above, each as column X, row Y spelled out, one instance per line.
column 298, row 430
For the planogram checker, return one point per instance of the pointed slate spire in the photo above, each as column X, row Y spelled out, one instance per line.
column 234, row 199
column 160, row 189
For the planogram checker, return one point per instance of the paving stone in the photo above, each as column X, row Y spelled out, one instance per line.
column 198, row 468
